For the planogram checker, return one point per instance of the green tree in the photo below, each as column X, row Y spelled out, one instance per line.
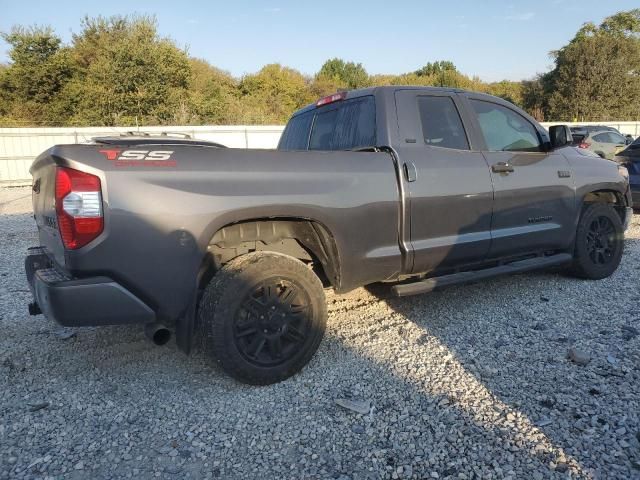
column 622, row 23
column 273, row 94
column 597, row 75
column 442, row 74
column 510, row 91
column 436, row 68
column 535, row 96
column 343, row 74
column 40, row 68
column 4, row 97
column 127, row 74
column 213, row 95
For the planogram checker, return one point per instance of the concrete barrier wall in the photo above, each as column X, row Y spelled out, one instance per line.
column 20, row 146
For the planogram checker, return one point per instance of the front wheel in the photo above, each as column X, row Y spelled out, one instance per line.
column 599, row 242
column 264, row 316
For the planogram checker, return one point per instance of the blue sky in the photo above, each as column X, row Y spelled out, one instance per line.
column 492, row 39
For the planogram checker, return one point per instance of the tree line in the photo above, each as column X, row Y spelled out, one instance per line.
column 119, row 71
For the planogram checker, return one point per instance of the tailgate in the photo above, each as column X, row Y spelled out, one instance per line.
column 43, row 172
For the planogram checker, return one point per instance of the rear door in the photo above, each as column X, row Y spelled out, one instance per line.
column 448, row 185
column 534, row 201
column 602, row 144
column 619, row 143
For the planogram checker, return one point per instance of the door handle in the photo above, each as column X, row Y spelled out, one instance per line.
column 502, row 167
column 410, row 172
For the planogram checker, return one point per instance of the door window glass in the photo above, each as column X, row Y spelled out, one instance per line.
column 441, row 123
column 505, row 130
column 617, row 139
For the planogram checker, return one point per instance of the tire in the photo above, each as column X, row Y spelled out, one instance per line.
column 263, row 317
column 599, row 242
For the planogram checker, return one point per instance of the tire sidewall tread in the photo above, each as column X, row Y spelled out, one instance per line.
column 582, row 266
column 221, row 299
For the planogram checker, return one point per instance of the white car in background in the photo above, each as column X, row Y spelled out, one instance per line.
column 605, row 143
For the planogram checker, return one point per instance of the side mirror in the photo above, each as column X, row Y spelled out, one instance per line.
column 560, row 136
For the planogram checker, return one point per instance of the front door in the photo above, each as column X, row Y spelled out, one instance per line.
column 534, row 199
column 448, row 185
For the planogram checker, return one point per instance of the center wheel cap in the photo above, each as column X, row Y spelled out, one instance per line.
column 272, row 323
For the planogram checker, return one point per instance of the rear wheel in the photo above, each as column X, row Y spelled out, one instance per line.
column 599, row 242
column 264, row 316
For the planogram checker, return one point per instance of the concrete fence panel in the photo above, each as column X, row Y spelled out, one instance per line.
column 20, row 146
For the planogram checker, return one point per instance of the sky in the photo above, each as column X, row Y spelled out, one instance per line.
column 492, row 39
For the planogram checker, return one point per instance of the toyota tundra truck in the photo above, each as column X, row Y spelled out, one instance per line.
column 232, row 249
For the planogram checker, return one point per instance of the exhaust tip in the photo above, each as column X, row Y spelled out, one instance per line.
column 158, row 334
column 34, row 309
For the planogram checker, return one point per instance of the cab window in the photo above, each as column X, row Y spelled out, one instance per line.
column 441, row 123
column 504, row 129
column 345, row 125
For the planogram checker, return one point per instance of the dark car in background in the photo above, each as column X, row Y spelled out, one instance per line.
column 630, row 158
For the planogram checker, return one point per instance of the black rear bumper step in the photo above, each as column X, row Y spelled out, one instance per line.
column 80, row 302
column 519, row 266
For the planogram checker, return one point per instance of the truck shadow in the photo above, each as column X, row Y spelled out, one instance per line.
column 508, row 340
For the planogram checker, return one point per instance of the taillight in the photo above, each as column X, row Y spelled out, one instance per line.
column 78, row 207
column 584, row 145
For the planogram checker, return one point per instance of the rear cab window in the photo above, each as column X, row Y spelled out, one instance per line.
column 342, row 125
column 296, row 133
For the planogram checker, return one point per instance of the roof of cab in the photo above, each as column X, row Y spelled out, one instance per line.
column 361, row 92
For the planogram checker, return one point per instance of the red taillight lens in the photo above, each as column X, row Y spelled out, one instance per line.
column 78, row 207
column 584, row 145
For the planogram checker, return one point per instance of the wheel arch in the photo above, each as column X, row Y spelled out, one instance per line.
column 305, row 239
column 607, row 196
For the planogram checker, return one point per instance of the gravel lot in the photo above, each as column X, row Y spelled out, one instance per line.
column 469, row 382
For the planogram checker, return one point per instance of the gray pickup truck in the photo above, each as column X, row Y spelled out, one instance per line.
column 416, row 187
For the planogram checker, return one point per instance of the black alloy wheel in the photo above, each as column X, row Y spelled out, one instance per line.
column 272, row 323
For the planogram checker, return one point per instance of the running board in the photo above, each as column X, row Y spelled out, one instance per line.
column 519, row 266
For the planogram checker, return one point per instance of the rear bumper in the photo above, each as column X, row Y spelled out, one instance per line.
column 75, row 302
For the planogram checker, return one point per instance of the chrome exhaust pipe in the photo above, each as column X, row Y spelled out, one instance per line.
column 157, row 333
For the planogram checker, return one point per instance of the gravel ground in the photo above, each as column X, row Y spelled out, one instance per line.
column 469, row 382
